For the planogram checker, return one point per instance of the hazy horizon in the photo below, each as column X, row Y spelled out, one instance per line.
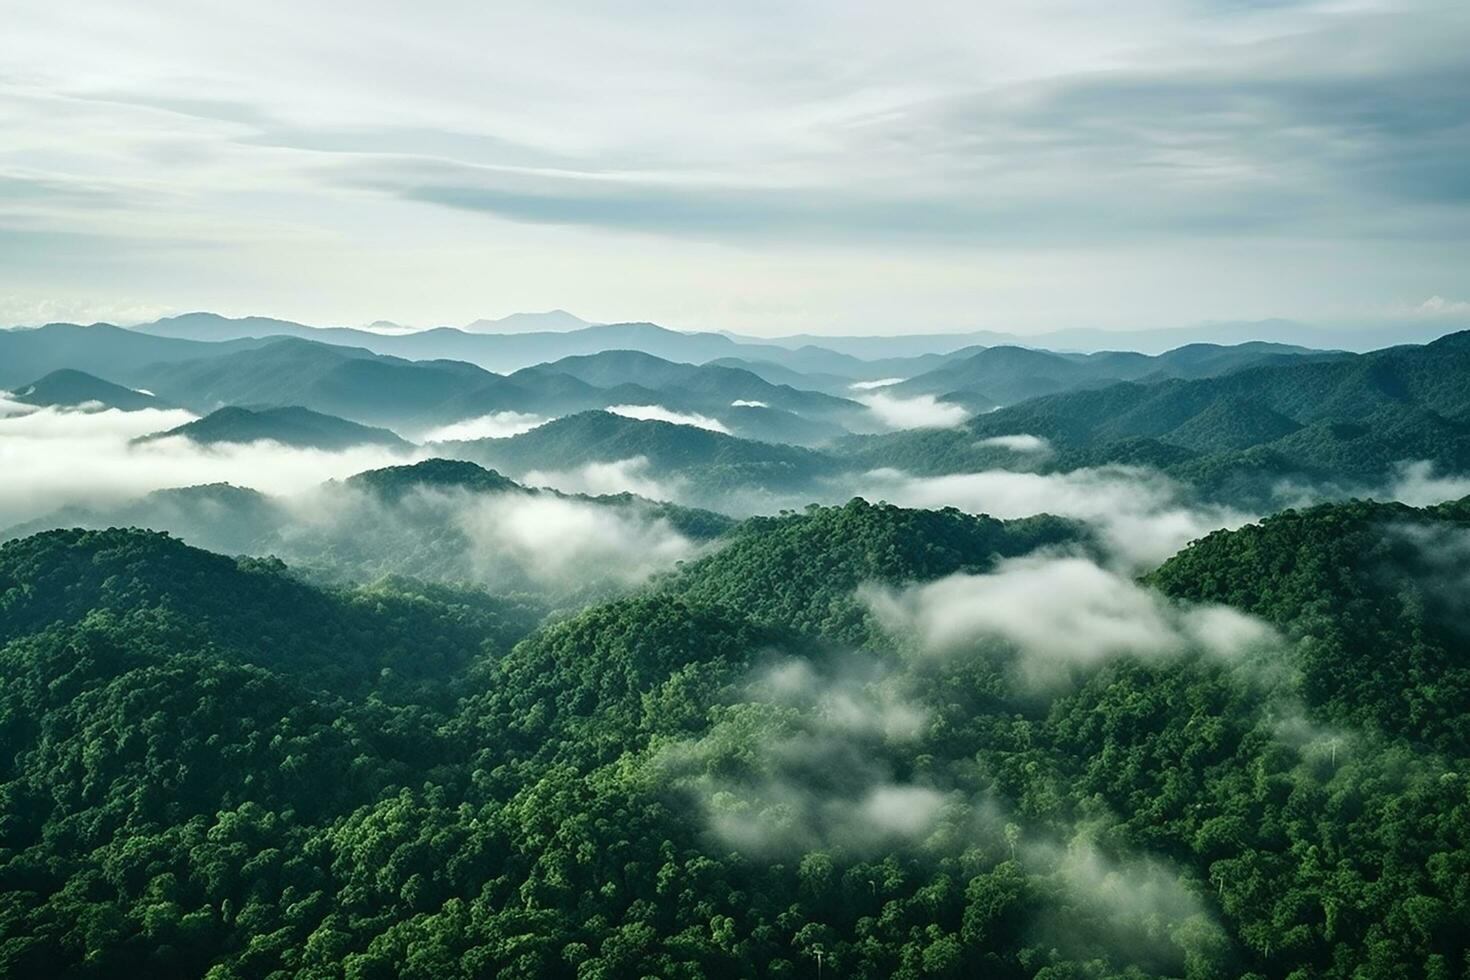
column 1360, row 334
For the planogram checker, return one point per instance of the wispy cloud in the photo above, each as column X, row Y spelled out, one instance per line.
column 1181, row 149
column 658, row 413
column 915, row 412
column 496, row 425
column 618, row 476
column 1141, row 515
column 55, row 457
column 1018, row 443
column 1058, row 613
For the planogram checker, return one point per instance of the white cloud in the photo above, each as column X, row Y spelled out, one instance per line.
column 658, row 413
column 857, row 702
column 918, row 412
column 1439, row 306
column 619, row 476
column 805, row 763
column 870, row 385
column 1134, row 895
column 900, row 810
column 866, row 130
column 748, row 403
column 9, row 406
column 496, row 425
column 558, row 540
column 52, row 458
column 1018, row 443
column 1141, row 514
column 1058, row 613
column 1418, row 485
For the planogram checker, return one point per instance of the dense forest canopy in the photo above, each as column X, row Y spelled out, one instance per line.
column 214, row 768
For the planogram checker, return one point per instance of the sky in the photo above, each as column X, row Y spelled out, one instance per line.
column 768, row 168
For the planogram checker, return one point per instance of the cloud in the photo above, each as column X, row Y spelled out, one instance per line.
column 917, row 412
column 1058, row 614
column 619, row 476
column 496, row 425
column 1415, row 483
column 1439, row 566
column 748, row 403
column 510, row 540
column 811, row 761
column 1139, row 905
column 660, row 414
column 1312, row 740
column 861, row 700
column 870, row 385
column 1439, row 306
column 54, row 458
column 558, row 541
column 1019, row 443
column 1141, row 515
column 1056, row 123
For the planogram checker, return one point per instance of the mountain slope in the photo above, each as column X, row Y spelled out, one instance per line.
column 291, row 426
column 101, row 349
column 148, row 585
column 715, row 384
column 1013, row 374
column 1345, row 417
column 211, row 769
column 439, row 520
column 552, row 320
column 69, row 388
column 802, row 571
column 710, row 458
column 349, row 382
column 502, row 351
column 1376, row 593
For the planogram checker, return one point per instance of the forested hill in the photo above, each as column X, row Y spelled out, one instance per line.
column 1379, row 593
column 710, row 459
column 1349, row 418
column 394, row 482
column 437, row 520
column 68, row 388
column 143, row 587
column 210, row 768
column 802, row 570
column 289, row 426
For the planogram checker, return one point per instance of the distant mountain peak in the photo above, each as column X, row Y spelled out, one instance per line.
column 550, row 321
column 435, row 473
column 67, row 387
column 289, row 425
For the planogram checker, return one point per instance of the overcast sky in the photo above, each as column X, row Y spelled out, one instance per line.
column 759, row 166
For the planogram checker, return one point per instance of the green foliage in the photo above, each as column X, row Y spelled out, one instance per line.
column 1238, row 433
column 1371, row 590
column 801, row 571
column 712, row 460
column 209, row 768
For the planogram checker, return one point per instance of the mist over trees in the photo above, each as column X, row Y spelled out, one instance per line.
column 382, row 667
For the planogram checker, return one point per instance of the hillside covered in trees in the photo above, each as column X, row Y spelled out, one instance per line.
column 1237, row 435
column 1252, row 763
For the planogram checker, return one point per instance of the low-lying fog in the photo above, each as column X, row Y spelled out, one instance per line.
column 58, row 463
